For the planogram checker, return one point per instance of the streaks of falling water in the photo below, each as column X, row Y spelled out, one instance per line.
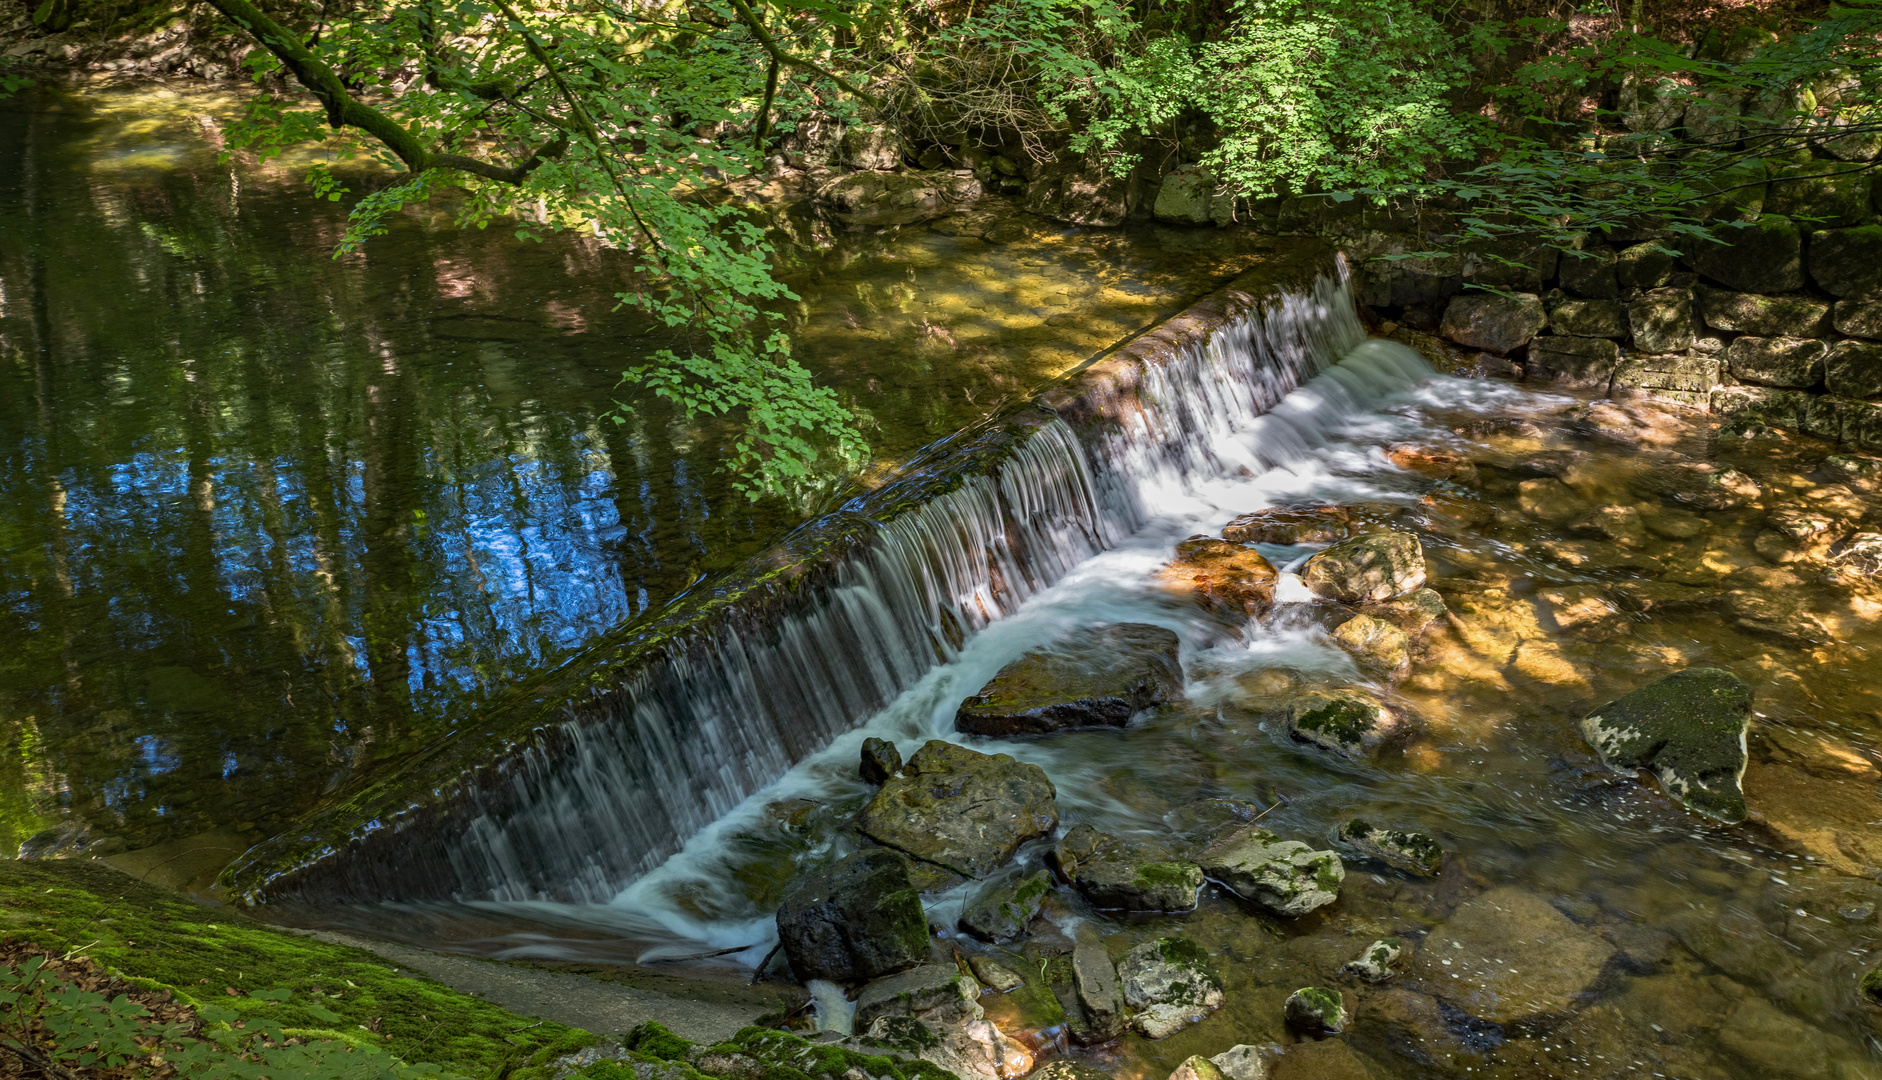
column 640, row 768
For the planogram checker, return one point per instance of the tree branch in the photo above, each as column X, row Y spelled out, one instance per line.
column 750, row 18
column 344, row 111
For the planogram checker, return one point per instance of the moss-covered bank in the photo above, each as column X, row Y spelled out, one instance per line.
column 213, row 955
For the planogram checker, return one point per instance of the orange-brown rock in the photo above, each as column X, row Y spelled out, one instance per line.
column 1225, row 576
column 1292, row 525
column 1433, row 462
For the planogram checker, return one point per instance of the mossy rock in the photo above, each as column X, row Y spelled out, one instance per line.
column 961, row 810
column 1349, row 722
column 1097, row 677
column 1118, row 876
column 1315, row 1009
column 858, row 918
column 1847, row 262
column 1367, row 569
column 1689, row 730
column 1764, row 256
column 1287, row 877
column 1412, row 852
column 1003, row 910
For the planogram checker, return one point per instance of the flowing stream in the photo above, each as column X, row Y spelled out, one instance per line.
column 241, row 587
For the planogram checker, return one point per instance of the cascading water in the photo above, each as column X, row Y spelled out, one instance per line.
column 1290, row 447
column 636, row 769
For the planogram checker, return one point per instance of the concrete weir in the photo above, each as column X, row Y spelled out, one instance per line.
column 596, row 772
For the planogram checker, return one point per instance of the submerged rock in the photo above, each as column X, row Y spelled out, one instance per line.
column 880, row 760
column 858, row 918
column 1412, row 852
column 960, row 809
column 995, row 975
column 1375, row 643
column 1775, row 616
column 1508, row 956
column 1689, row 729
column 1287, row 526
column 1120, row 876
column 1315, row 1009
column 1412, row 613
column 1246, row 1061
column 1287, row 877
column 1095, row 980
column 1197, row 1067
column 1003, row 910
column 1101, row 676
column 1067, row 1069
column 1170, row 984
column 1348, row 722
column 1366, row 569
column 1224, row 575
column 1379, row 962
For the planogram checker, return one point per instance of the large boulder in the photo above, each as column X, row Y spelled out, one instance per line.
column 1079, row 190
column 1349, row 722
column 1512, row 263
column 1366, row 569
column 1286, row 877
column 865, row 199
column 1170, row 983
column 1662, row 321
column 1117, row 875
column 1858, row 317
column 1689, row 729
column 1493, row 322
column 1224, row 575
column 1764, row 256
column 1712, row 119
column 1649, row 104
column 1764, row 316
column 1681, row 379
column 1584, row 363
column 1188, row 197
column 1833, row 195
column 1783, row 362
column 1853, row 369
column 1003, row 910
column 858, row 918
column 1589, row 318
column 1646, row 265
column 1289, row 525
column 961, row 810
column 870, row 147
column 1847, row 262
column 1590, row 273
column 1508, row 957
column 1098, row 677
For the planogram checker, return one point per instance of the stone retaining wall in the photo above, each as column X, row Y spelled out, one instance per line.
column 1783, row 326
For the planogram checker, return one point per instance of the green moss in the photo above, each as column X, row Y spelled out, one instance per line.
column 1172, row 874
column 653, row 1039
column 197, row 953
column 1182, row 952
column 1871, row 985
column 1344, row 719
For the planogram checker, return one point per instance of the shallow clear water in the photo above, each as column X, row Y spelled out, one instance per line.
column 270, row 519
column 1736, row 948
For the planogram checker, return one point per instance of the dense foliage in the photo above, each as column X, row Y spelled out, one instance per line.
column 635, row 122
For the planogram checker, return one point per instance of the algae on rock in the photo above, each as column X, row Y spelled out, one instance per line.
column 1689, row 729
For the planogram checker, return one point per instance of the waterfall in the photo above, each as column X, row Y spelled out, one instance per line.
column 762, row 672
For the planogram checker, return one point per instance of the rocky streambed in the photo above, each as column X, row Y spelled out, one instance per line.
column 1486, row 732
